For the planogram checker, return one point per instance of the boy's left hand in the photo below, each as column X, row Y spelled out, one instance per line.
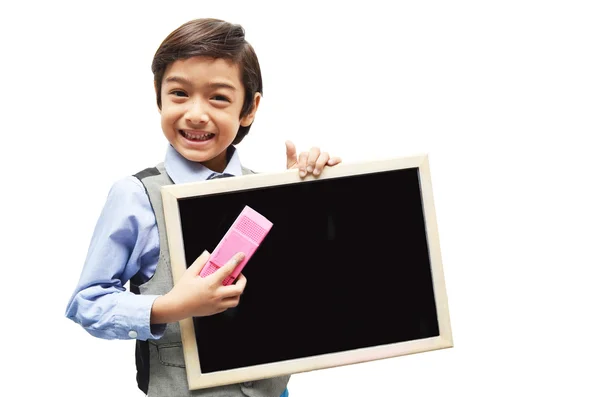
column 311, row 162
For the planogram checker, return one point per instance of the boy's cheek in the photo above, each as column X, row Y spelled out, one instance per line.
column 169, row 113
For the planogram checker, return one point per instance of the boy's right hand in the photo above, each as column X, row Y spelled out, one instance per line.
column 195, row 296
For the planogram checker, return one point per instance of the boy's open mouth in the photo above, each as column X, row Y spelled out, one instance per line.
column 195, row 136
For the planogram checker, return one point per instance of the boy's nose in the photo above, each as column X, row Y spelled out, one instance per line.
column 196, row 114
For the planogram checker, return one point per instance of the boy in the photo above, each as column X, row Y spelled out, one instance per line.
column 208, row 87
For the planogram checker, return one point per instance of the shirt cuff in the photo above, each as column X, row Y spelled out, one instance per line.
column 136, row 324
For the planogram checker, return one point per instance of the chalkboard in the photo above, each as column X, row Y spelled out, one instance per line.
column 350, row 271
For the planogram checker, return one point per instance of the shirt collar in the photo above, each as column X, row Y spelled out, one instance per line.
column 182, row 170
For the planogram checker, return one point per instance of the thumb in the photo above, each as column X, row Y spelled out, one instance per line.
column 199, row 263
column 290, row 152
column 227, row 268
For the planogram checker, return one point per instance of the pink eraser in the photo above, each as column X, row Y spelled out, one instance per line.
column 245, row 235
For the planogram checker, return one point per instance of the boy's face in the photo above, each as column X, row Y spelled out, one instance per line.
column 202, row 100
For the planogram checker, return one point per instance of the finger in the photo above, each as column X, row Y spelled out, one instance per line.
column 241, row 283
column 313, row 155
column 302, row 160
column 199, row 263
column 290, row 152
column 333, row 161
column 230, row 302
column 321, row 162
column 232, row 290
column 227, row 268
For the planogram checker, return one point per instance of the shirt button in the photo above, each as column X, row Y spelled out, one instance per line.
column 248, row 384
column 132, row 334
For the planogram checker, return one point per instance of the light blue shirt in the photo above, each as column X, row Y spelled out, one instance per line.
column 125, row 242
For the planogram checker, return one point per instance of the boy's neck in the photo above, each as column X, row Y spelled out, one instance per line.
column 219, row 163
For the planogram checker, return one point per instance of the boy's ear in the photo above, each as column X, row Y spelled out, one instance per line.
column 157, row 95
column 249, row 118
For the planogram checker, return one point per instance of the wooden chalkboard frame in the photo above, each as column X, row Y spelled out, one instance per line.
column 197, row 380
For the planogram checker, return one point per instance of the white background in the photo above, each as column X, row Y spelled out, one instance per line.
column 504, row 96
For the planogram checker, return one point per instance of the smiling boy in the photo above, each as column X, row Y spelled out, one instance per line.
column 208, row 89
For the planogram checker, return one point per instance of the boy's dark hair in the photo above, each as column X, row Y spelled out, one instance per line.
column 216, row 39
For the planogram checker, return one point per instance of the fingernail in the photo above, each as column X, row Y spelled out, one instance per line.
column 309, row 168
column 302, row 173
column 317, row 172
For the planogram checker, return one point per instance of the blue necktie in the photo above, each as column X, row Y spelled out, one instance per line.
column 216, row 175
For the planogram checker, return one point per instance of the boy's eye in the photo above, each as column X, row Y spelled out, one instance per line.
column 221, row 98
column 178, row 93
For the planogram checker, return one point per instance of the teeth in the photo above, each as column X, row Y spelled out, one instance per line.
column 197, row 137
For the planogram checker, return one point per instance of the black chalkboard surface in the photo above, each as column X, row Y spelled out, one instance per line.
column 349, row 272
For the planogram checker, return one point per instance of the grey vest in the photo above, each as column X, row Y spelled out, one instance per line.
column 160, row 363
